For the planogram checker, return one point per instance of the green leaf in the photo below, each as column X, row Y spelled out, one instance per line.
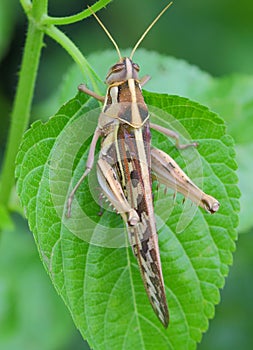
column 87, row 256
column 244, row 155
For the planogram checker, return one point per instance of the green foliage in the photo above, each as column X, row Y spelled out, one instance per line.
column 31, row 314
column 101, row 285
column 236, row 296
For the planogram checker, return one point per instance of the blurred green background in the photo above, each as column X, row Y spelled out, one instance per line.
column 214, row 35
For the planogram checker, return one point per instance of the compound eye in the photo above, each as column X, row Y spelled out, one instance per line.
column 136, row 67
column 117, row 67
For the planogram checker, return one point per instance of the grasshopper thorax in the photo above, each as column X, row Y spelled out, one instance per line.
column 123, row 70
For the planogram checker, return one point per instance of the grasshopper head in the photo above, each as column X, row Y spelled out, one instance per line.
column 123, row 70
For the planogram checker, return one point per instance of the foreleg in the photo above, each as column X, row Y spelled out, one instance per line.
column 84, row 89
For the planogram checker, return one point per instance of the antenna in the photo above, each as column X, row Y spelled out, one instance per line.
column 148, row 29
column 107, row 32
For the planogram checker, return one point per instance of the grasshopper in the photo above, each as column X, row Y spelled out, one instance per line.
column 126, row 163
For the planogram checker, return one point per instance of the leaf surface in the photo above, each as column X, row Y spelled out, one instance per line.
column 87, row 256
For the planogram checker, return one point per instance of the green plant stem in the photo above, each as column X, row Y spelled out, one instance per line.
column 75, row 53
column 23, row 99
column 75, row 18
column 37, row 27
column 27, row 5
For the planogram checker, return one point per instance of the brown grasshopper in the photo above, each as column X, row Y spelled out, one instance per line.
column 125, row 164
